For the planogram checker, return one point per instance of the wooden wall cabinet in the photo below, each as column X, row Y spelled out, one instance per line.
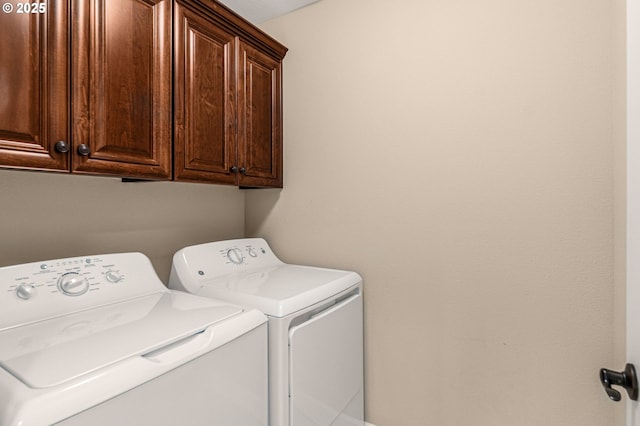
column 259, row 118
column 87, row 87
column 204, row 99
column 34, row 82
column 227, row 98
column 121, row 87
column 101, row 107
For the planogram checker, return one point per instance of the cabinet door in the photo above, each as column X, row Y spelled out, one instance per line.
column 259, row 118
column 204, row 100
column 34, row 95
column 122, row 87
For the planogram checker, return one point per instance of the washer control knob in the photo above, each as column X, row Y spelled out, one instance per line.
column 252, row 252
column 73, row 284
column 113, row 276
column 25, row 291
column 235, row 256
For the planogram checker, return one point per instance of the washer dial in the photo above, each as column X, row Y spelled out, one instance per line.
column 25, row 291
column 73, row 284
column 113, row 276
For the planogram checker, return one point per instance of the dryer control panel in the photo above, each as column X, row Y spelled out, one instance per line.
column 42, row 290
column 209, row 261
column 254, row 254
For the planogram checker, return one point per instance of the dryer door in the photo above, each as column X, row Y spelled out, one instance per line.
column 326, row 367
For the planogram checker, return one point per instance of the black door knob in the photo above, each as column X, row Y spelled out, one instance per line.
column 83, row 149
column 62, row 146
column 626, row 379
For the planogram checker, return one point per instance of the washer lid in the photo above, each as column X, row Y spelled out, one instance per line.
column 279, row 290
column 51, row 352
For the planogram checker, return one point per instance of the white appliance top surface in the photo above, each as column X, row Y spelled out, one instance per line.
column 259, row 280
column 281, row 290
column 125, row 311
column 49, row 353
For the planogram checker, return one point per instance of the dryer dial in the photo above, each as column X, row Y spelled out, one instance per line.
column 235, row 256
column 73, row 284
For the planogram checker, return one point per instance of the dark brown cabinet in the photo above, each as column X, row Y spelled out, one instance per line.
column 227, row 98
column 88, row 87
column 121, row 89
column 34, row 83
column 89, row 91
column 205, row 99
column 259, row 118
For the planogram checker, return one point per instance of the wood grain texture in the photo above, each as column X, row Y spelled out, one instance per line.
column 259, row 118
column 34, row 75
column 122, row 89
column 204, row 99
column 97, row 74
column 227, row 98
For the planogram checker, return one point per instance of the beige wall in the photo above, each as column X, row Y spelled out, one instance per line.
column 48, row 216
column 459, row 155
column 619, row 51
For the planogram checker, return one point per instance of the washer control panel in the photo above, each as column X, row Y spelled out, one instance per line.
column 41, row 290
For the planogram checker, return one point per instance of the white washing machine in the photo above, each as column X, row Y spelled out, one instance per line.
column 315, row 326
column 100, row 341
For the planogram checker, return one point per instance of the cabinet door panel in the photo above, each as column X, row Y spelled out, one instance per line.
column 204, row 113
column 260, row 118
column 34, row 102
column 122, row 94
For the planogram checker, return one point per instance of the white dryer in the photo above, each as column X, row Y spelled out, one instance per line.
column 315, row 326
column 100, row 341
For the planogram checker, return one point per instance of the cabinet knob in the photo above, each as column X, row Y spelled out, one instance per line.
column 83, row 149
column 243, row 170
column 234, row 169
column 62, row 147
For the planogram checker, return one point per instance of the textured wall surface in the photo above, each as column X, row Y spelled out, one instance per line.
column 48, row 216
column 459, row 155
